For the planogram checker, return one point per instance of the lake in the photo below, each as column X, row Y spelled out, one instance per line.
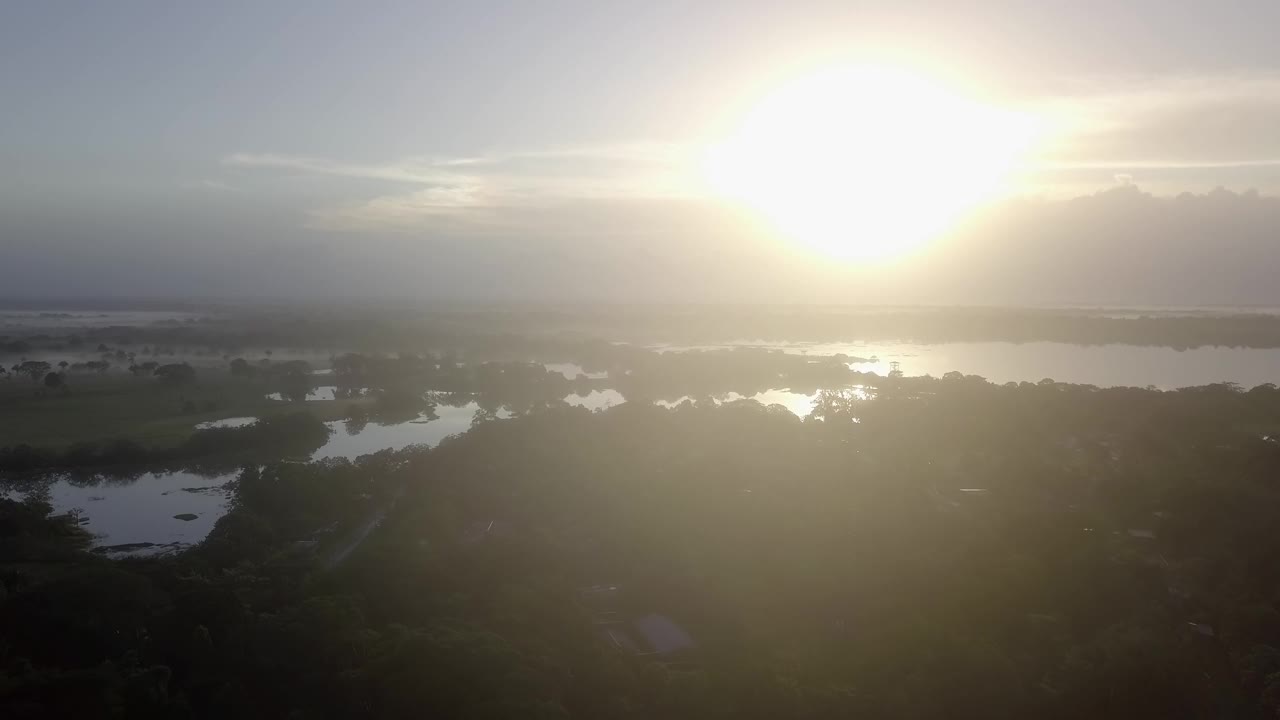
column 320, row 392
column 1101, row 365
column 350, row 440
column 120, row 512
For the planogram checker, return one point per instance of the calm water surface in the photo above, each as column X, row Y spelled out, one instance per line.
column 351, row 441
column 596, row 399
column 800, row 404
column 1101, row 365
column 119, row 512
column 231, row 422
column 572, row 370
column 142, row 511
column 322, row 392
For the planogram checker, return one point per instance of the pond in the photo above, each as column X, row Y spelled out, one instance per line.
column 231, row 422
column 321, row 392
column 142, row 512
column 800, row 404
column 1100, row 365
column 351, row 440
column 596, row 399
column 572, row 370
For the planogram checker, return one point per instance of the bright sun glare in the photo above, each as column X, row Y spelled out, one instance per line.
column 867, row 163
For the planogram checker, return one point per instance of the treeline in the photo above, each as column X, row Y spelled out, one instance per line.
column 964, row 550
column 636, row 372
column 777, row 324
column 291, row 434
column 552, row 334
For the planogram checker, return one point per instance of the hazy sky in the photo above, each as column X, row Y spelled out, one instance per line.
column 550, row 150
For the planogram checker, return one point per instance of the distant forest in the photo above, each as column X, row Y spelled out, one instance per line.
column 948, row 548
column 521, row 331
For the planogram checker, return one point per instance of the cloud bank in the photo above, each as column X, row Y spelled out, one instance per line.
column 1121, row 246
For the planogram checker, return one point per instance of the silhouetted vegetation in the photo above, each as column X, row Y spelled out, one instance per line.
column 915, row 547
column 294, row 434
column 962, row 550
column 550, row 334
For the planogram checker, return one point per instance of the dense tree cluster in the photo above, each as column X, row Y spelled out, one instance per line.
column 948, row 548
column 511, row 333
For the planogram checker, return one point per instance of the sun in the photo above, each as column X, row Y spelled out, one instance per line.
column 867, row 163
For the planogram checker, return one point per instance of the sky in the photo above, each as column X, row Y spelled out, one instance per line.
column 556, row 151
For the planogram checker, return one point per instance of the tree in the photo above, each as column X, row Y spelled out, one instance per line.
column 54, row 381
column 176, row 373
column 35, row 369
column 294, row 369
column 241, row 368
column 143, row 369
column 349, row 365
column 63, row 365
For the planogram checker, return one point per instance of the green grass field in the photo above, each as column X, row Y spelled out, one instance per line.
column 117, row 405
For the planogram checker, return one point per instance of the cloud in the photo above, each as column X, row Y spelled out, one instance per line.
column 1121, row 246
column 412, row 170
column 457, row 207
column 559, row 168
column 209, row 184
column 1171, row 123
column 473, row 190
